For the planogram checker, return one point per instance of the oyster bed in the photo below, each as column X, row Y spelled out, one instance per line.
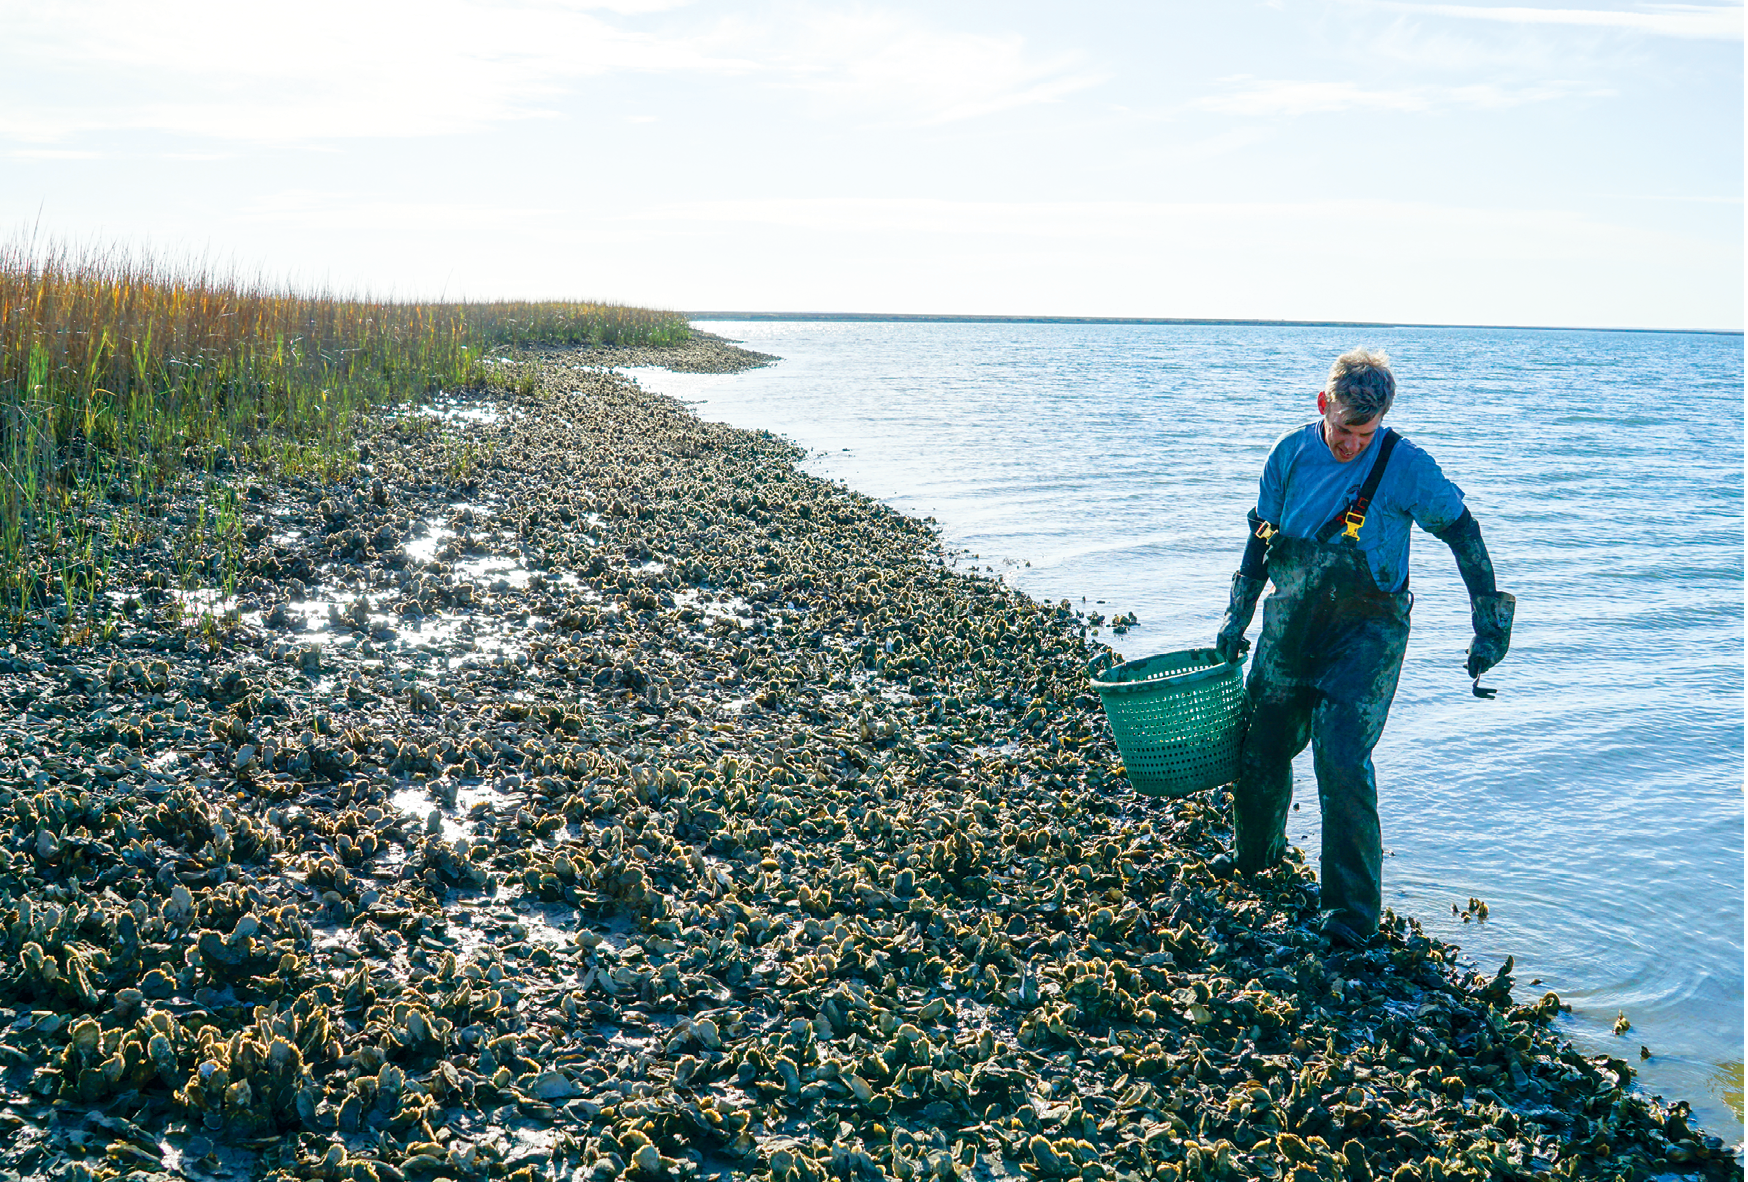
column 583, row 792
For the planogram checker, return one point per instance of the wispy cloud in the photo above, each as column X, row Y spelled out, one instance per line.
column 1267, row 97
column 277, row 70
column 53, row 154
column 315, row 70
column 1700, row 21
column 312, row 209
column 912, row 69
column 1683, row 198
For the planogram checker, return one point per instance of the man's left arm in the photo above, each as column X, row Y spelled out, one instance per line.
column 1490, row 610
column 1439, row 509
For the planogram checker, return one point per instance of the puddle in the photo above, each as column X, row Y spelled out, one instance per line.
column 495, row 572
column 471, row 414
column 455, row 411
column 420, row 800
column 333, row 623
column 319, row 620
column 503, row 573
column 544, row 923
column 725, row 607
column 454, row 636
column 424, row 548
column 434, row 530
column 417, row 803
column 205, row 601
column 492, row 927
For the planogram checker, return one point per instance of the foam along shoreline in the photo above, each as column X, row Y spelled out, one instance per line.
column 581, row 791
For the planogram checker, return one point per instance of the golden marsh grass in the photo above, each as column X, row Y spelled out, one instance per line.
column 118, row 371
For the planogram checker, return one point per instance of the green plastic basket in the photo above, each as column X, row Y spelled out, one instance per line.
column 1178, row 719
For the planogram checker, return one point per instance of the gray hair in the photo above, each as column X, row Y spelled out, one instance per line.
column 1362, row 382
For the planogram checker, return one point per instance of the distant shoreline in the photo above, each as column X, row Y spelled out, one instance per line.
column 930, row 318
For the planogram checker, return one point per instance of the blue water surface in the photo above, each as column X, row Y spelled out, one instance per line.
column 1596, row 805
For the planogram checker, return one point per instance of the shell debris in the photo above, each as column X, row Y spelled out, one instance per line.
column 578, row 790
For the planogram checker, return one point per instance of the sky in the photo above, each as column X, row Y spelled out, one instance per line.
column 1379, row 160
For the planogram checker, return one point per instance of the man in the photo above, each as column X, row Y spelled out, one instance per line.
column 1331, row 530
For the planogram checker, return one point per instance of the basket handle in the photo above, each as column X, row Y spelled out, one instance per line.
column 1101, row 664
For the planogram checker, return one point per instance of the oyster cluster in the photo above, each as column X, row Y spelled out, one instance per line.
column 582, row 792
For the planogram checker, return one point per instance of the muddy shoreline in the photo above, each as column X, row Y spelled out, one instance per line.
column 581, row 791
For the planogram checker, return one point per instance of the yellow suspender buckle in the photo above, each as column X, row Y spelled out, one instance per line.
column 1354, row 521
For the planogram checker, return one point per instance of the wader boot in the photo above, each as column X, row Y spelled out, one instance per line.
column 1325, row 672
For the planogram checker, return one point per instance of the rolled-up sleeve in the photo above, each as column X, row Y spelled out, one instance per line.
column 1435, row 502
column 1271, row 495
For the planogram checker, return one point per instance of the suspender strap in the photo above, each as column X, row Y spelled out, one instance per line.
column 1256, row 550
column 1348, row 522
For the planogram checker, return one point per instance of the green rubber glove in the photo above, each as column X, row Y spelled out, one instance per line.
column 1229, row 642
column 1491, row 617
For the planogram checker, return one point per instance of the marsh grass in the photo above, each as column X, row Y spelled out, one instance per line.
column 120, row 372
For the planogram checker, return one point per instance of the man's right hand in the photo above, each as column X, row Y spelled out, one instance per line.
column 1229, row 642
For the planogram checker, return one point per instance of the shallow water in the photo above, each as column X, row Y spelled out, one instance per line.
column 1596, row 805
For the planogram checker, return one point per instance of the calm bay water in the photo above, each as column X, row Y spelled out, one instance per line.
column 1596, row 805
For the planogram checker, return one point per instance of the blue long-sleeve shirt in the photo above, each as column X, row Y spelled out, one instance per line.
column 1303, row 486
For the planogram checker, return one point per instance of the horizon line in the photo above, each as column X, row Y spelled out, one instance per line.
column 950, row 318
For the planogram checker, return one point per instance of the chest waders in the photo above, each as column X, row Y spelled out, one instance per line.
column 1324, row 674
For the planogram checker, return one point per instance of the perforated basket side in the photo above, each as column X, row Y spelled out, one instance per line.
column 1178, row 735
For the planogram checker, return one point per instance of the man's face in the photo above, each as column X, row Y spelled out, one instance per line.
column 1346, row 439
